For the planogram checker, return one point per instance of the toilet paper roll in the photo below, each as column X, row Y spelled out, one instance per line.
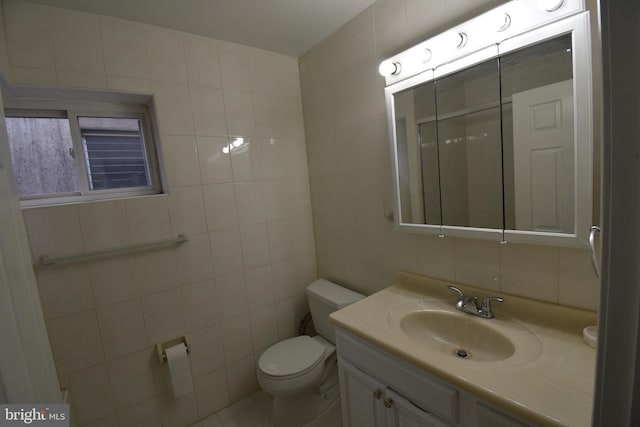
column 180, row 370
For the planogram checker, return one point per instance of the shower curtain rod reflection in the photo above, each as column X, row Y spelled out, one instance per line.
column 52, row 259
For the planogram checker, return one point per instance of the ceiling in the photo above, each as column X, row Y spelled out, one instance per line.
column 291, row 27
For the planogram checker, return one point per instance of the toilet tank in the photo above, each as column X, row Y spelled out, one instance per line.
column 325, row 297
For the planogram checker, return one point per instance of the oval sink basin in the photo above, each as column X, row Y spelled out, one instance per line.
column 438, row 327
column 462, row 337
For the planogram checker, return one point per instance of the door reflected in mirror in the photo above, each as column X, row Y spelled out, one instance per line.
column 538, row 137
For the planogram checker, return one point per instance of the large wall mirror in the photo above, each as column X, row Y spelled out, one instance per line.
column 496, row 143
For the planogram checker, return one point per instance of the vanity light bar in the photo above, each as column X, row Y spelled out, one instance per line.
column 490, row 28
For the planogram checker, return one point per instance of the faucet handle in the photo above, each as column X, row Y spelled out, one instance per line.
column 486, row 306
column 460, row 293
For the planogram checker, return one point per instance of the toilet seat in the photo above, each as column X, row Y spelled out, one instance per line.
column 294, row 365
column 291, row 358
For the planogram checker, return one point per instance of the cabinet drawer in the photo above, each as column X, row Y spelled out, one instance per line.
column 428, row 393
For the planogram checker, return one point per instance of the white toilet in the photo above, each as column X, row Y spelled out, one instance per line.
column 301, row 373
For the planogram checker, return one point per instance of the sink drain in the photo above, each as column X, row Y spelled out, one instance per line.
column 461, row 353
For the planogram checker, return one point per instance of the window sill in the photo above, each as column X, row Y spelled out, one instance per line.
column 88, row 198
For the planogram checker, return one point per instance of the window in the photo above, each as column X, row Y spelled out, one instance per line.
column 114, row 153
column 82, row 152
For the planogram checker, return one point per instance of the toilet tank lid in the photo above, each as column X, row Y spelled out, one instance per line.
column 334, row 295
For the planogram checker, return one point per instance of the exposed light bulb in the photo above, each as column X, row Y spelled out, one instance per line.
column 550, row 5
column 502, row 21
column 427, row 56
column 456, row 39
column 463, row 40
column 389, row 68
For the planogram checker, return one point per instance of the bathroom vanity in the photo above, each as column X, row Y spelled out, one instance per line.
column 400, row 364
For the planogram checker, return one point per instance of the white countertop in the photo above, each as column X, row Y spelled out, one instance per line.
column 555, row 388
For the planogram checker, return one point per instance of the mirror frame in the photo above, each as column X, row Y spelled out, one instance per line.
column 578, row 25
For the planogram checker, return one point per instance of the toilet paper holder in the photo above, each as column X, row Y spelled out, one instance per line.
column 163, row 346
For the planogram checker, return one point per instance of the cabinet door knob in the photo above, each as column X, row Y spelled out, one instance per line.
column 388, row 402
column 377, row 393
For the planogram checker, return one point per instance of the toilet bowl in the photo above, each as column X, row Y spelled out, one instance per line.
column 294, row 364
column 301, row 373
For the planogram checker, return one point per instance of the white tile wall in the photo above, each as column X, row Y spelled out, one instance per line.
column 131, row 378
column 29, row 38
column 251, row 205
column 124, row 48
column 264, row 330
column 202, row 305
column 215, row 164
column 245, row 163
column 77, row 41
column 128, row 84
column 239, row 110
column 220, row 205
column 186, row 210
column 226, row 251
column 165, row 53
column 104, row 225
column 122, row 327
column 211, row 392
column 113, row 280
column 54, row 230
column 92, row 397
column 255, row 245
column 177, row 412
column 173, row 107
column 235, row 66
column 259, row 285
column 478, row 262
column 108, row 421
column 105, row 316
column 65, row 334
column 201, row 58
column 194, row 259
column 156, row 271
column 145, row 413
column 241, row 377
column 236, row 338
column 232, row 295
column 207, row 350
column 284, row 278
column 143, row 227
column 208, row 111
column 77, row 297
column 163, row 316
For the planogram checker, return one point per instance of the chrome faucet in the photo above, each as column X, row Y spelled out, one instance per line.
column 469, row 304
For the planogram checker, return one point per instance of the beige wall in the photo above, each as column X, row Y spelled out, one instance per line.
column 346, row 135
column 237, row 286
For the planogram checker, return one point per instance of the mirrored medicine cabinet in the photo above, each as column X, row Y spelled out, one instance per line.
column 492, row 138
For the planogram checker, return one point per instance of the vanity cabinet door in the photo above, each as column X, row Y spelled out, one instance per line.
column 402, row 413
column 362, row 398
column 369, row 403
